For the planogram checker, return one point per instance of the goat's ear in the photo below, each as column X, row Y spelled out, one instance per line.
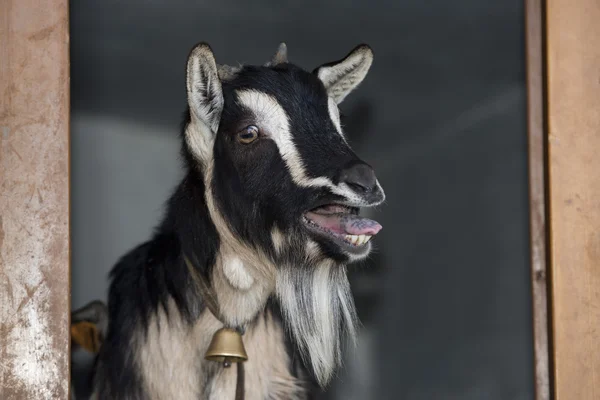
column 343, row 76
column 204, row 92
column 89, row 325
column 86, row 335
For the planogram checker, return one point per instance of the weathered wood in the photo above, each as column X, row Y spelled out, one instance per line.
column 573, row 86
column 537, row 207
column 34, row 205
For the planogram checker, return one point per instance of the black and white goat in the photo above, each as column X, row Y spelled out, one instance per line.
column 268, row 212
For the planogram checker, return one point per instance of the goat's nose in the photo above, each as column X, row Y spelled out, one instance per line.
column 360, row 177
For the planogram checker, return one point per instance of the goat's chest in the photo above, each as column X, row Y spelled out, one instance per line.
column 173, row 365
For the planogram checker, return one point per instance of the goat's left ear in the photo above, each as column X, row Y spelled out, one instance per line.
column 86, row 335
column 204, row 92
column 89, row 325
column 343, row 76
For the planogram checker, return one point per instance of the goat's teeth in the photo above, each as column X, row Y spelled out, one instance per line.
column 361, row 240
column 358, row 240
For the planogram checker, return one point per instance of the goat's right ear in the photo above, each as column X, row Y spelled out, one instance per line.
column 204, row 92
column 343, row 76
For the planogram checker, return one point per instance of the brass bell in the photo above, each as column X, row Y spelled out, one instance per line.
column 226, row 347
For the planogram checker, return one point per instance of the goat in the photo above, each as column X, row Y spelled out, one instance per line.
column 268, row 217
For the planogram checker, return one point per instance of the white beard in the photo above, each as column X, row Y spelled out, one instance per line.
column 318, row 310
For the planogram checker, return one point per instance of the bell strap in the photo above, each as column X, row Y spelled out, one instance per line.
column 210, row 299
column 208, row 295
column 239, row 387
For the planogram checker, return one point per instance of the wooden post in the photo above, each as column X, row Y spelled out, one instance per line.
column 536, row 136
column 34, row 202
column 573, row 109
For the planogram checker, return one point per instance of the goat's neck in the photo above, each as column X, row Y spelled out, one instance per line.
column 241, row 290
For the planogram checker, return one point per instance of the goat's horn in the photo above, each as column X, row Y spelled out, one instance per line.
column 281, row 56
column 226, row 72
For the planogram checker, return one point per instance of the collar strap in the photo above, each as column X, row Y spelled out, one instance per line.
column 208, row 295
column 210, row 299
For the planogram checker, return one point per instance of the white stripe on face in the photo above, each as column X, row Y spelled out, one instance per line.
column 200, row 139
column 272, row 118
column 334, row 114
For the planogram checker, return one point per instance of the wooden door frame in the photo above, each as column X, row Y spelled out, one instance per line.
column 34, row 205
column 563, row 82
column 534, row 57
column 572, row 110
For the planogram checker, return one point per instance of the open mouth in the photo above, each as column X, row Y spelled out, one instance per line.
column 342, row 223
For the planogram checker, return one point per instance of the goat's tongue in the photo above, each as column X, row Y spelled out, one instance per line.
column 348, row 224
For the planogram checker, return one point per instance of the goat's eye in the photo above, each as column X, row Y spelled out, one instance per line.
column 248, row 135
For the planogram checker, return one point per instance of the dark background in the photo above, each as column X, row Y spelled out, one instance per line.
column 445, row 300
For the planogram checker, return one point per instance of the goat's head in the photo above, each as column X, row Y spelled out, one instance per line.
column 282, row 176
column 282, row 182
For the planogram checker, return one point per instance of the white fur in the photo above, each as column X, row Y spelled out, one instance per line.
column 237, row 274
column 172, row 364
column 312, row 250
column 168, row 355
column 200, row 139
column 316, row 328
column 238, row 306
column 326, row 332
column 266, row 371
column 334, row 114
column 278, row 239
